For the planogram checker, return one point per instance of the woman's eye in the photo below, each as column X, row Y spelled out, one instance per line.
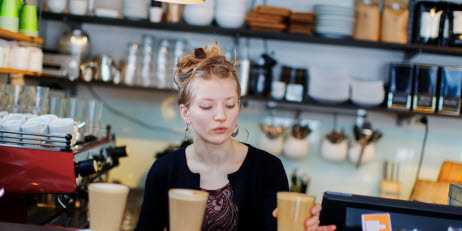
column 206, row 108
column 231, row 106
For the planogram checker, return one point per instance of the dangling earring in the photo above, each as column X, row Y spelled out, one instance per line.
column 186, row 132
column 235, row 133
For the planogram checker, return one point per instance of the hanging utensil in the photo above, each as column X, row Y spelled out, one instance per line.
column 366, row 135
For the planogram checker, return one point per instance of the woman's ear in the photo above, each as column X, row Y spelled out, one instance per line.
column 184, row 111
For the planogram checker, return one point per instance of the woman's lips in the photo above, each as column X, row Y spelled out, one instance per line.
column 220, row 130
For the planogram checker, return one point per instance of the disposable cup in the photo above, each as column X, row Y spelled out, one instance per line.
column 28, row 20
column 9, row 8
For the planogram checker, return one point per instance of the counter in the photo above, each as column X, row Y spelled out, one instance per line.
column 23, row 227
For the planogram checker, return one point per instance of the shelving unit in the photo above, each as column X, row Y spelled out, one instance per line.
column 409, row 49
column 14, row 71
column 12, row 36
column 9, row 35
column 309, row 105
column 66, row 83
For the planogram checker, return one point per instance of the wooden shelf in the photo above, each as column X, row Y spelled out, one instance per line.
column 9, row 35
column 409, row 49
column 14, row 71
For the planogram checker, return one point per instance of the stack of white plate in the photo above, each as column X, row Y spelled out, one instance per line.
column 367, row 93
column 329, row 86
column 334, row 21
column 9, row 23
column 135, row 9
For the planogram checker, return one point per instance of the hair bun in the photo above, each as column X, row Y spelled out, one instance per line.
column 199, row 53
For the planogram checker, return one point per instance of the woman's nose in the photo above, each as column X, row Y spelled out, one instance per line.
column 220, row 114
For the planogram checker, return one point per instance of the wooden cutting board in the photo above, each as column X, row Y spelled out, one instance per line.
column 264, row 18
column 273, row 10
column 276, row 27
column 306, row 18
column 451, row 172
column 431, row 192
column 301, row 29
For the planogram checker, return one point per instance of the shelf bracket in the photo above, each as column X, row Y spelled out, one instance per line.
column 73, row 24
column 403, row 117
column 236, row 37
column 410, row 54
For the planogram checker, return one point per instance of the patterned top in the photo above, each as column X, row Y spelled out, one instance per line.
column 221, row 212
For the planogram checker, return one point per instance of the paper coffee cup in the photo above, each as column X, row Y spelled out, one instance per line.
column 186, row 209
column 293, row 210
column 106, row 206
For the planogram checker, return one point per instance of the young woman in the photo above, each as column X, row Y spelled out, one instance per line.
column 242, row 180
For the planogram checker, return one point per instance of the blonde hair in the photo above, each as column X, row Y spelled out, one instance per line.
column 203, row 64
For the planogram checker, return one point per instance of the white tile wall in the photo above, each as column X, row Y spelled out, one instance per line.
column 401, row 143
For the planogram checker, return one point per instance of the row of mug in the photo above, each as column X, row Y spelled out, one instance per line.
column 48, row 124
column 21, row 58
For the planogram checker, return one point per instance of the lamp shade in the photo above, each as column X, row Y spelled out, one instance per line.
column 184, row 1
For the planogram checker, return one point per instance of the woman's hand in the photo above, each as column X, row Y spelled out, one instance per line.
column 312, row 223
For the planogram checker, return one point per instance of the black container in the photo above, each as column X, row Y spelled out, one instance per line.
column 400, row 86
column 296, row 86
column 450, row 91
column 257, row 81
column 156, row 3
column 455, row 25
column 285, row 74
column 429, row 19
column 261, row 76
column 425, row 88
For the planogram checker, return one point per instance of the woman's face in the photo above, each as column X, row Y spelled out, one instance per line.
column 213, row 110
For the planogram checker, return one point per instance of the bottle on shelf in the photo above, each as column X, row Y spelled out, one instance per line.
column 295, row 88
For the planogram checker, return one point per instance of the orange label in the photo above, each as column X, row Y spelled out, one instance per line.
column 376, row 222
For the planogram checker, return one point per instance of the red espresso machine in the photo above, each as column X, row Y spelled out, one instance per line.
column 36, row 166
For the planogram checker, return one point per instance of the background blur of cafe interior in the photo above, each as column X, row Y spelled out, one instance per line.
column 360, row 97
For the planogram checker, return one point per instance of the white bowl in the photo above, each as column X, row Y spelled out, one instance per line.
column 198, row 16
column 231, row 9
column 57, row 6
column 230, row 21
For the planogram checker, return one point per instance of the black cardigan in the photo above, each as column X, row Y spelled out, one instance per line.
column 254, row 185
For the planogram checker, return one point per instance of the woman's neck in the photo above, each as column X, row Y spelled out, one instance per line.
column 212, row 154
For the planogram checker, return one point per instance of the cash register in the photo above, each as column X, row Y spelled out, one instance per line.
column 346, row 211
